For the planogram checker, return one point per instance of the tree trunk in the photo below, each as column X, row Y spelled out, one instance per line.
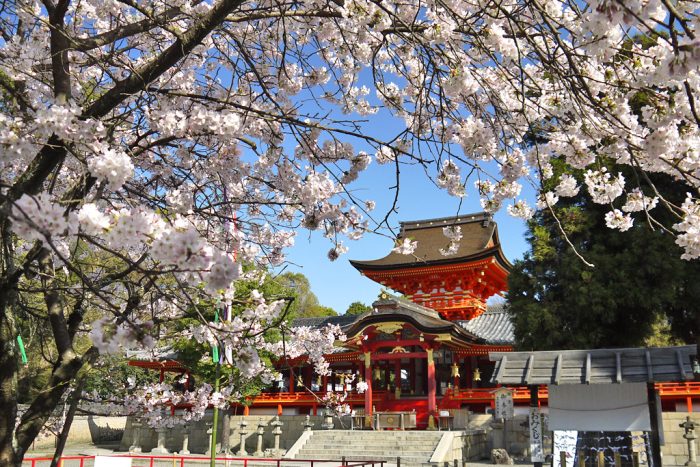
column 9, row 367
column 63, row 436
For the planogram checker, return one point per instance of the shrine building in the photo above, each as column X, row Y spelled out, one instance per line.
column 419, row 352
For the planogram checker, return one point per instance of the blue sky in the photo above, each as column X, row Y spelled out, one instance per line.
column 337, row 284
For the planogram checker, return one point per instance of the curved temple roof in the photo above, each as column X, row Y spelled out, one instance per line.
column 491, row 328
column 479, row 240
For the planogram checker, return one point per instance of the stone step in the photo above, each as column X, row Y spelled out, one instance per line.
column 376, row 446
column 377, row 435
column 406, row 433
column 385, row 458
column 364, row 450
column 374, row 441
column 350, row 451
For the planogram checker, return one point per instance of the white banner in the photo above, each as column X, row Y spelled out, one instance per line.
column 564, row 441
column 536, row 444
column 599, row 407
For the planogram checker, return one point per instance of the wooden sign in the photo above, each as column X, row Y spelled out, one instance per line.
column 504, row 404
column 536, row 443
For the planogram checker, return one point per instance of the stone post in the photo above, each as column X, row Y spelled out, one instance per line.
column 225, row 430
column 690, row 436
column 307, row 423
column 160, row 449
column 277, row 431
column 136, row 433
column 261, row 431
column 185, row 440
column 218, row 444
column 328, row 420
column 243, row 432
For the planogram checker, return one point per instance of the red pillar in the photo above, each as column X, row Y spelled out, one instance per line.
column 291, row 380
column 368, row 380
column 455, row 383
column 432, row 405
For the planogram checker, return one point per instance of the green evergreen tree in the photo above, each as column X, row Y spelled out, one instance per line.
column 638, row 292
column 357, row 308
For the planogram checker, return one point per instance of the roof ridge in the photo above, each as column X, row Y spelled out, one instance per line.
column 451, row 220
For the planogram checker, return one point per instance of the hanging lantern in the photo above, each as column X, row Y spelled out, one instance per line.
column 300, row 379
column 421, row 337
column 377, row 373
column 455, row 370
column 318, row 381
column 477, row 375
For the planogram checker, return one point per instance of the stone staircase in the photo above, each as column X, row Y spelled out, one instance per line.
column 414, row 447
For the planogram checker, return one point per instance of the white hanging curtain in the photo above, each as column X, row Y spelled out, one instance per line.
column 599, row 407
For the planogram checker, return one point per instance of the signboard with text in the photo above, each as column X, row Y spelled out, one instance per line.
column 536, row 443
column 504, row 404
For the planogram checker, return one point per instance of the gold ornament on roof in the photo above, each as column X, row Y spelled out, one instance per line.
column 388, row 328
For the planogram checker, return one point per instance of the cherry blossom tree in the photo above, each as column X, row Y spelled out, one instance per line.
column 150, row 147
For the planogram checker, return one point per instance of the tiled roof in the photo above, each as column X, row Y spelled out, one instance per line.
column 155, row 355
column 598, row 366
column 319, row 321
column 425, row 319
column 494, row 325
column 479, row 237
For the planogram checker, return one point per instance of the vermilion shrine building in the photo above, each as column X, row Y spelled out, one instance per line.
column 427, row 351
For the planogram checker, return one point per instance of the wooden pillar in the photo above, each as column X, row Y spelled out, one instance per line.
column 291, row 380
column 689, row 404
column 414, row 370
column 368, row 392
column 353, row 371
column 397, row 377
column 432, row 405
column 534, row 402
column 654, row 411
column 455, row 378
column 279, row 409
column 325, row 383
column 386, row 374
column 162, row 375
column 246, row 410
column 308, row 376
